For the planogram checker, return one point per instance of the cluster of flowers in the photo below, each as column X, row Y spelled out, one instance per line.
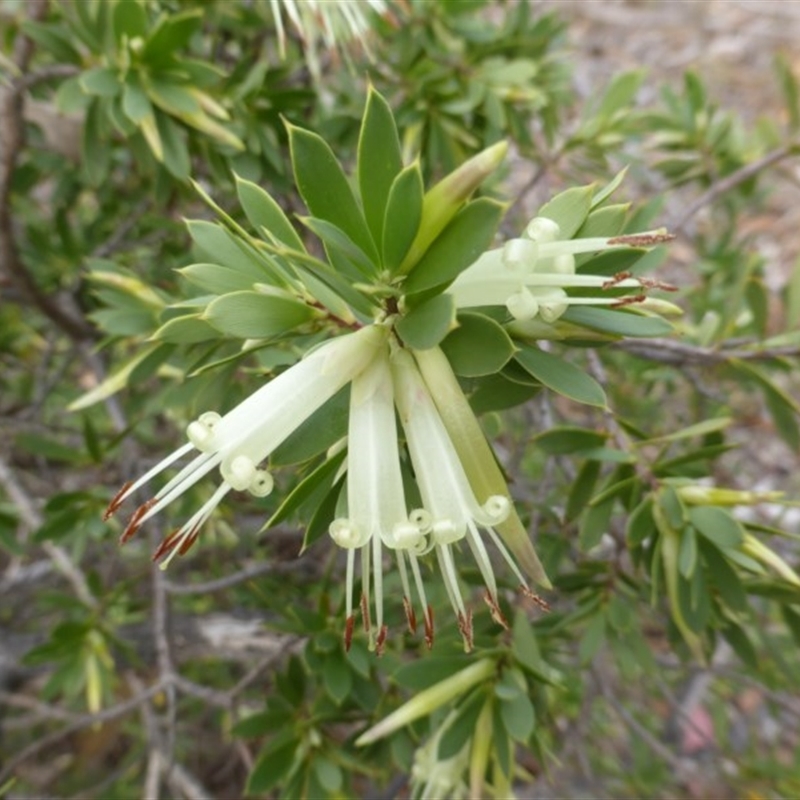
column 528, row 276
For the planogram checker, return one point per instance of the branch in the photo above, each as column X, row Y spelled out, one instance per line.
column 733, row 180
column 661, row 750
column 679, row 354
column 12, row 141
column 31, row 519
column 219, row 584
column 81, row 722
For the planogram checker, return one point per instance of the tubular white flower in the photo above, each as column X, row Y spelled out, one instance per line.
column 529, row 275
column 376, row 504
column 244, row 437
column 446, row 494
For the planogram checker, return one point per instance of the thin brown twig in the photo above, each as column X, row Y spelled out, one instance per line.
column 675, row 353
column 45, row 74
column 660, row 749
column 31, row 519
column 254, row 571
column 80, row 723
column 733, row 180
column 12, row 141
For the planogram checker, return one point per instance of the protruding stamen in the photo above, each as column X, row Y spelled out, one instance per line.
column 135, row 521
column 168, row 544
column 381, row 640
column 535, row 598
column 117, row 501
column 348, row 631
column 614, row 280
column 429, row 627
column 642, row 239
column 465, row 627
column 365, row 613
column 411, row 617
column 654, row 283
column 494, row 608
column 189, row 540
column 629, row 301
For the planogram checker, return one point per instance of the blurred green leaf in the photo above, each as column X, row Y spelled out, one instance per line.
column 253, row 315
column 460, row 244
column 325, row 188
column 403, row 215
column 561, row 376
column 478, row 346
column 379, row 162
column 428, row 323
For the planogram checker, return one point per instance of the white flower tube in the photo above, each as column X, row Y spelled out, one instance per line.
column 455, row 513
column 529, row 275
column 376, row 503
column 244, row 437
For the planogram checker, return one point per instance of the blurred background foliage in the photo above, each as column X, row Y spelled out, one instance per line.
column 668, row 662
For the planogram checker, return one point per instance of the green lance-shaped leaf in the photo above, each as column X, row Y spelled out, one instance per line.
column 561, row 376
column 101, row 81
column 188, row 329
column 428, row 323
column 379, row 161
column 129, row 19
column 443, row 201
column 478, row 346
column 175, row 153
column 113, row 383
column 135, row 103
column 428, row 700
column 172, row 32
column 325, row 188
column 484, row 474
column 465, row 238
column 569, row 209
column 403, row 215
column 670, row 540
column 266, row 216
column 255, row 315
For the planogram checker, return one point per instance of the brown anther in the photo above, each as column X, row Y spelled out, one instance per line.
column 429, row 627
column 381, row 640
column 615, row 279
column 189, row 540
column 465, row 627
column 535, row 598
column 642, row 239
column 116, row 502
column 348, row 631
column 494, row 608
column 629, row 301
column 167, row 545
column 653, row 283
column 136, row 521
column 365, row 613
column 411, row 617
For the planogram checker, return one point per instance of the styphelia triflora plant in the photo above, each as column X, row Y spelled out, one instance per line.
column 406, row 274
